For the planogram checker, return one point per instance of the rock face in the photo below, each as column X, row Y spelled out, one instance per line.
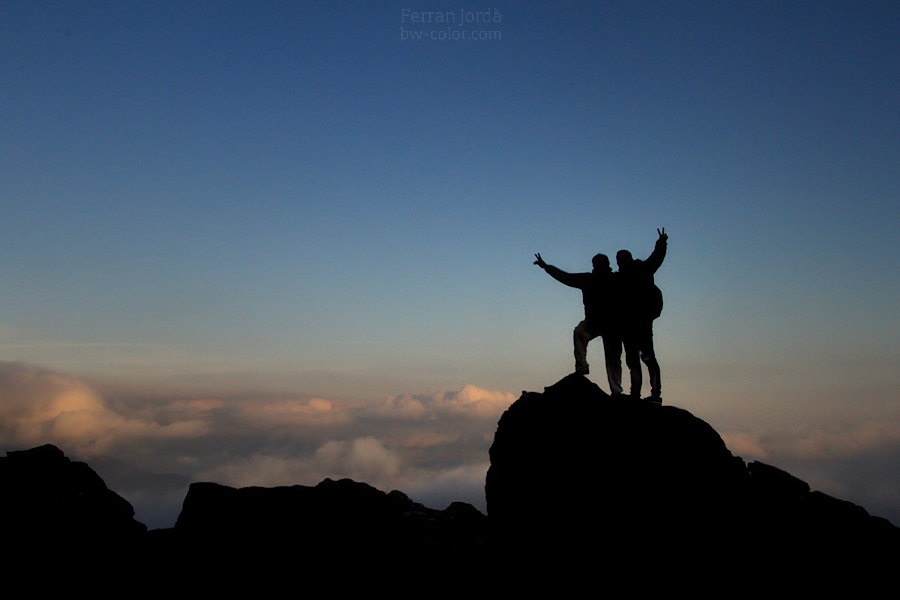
column 62, row 527
column 584, row 483
column 333, row 512
column 59, row 518
column 50, row 498
column 348, row 534
column 585, row 492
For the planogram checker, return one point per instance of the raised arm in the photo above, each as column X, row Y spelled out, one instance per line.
column 659, row 252
column 569, row 279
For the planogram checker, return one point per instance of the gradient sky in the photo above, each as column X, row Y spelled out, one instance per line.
column 210, row 200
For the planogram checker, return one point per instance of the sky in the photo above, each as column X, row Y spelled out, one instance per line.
column 264, row 243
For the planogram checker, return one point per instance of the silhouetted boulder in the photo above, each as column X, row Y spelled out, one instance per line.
column 583, row 490
column 333, row 512
column 583, row 484
column 62, row 525
column 331, row 529
column 50, row 498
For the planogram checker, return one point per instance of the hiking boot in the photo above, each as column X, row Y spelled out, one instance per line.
column 654, row 399
column 584, row 371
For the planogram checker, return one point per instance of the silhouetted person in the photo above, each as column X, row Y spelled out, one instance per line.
column 641, row 302
column 596, row 288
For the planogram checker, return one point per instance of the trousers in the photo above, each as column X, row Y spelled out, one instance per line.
column 612, row 350
column 638, row 340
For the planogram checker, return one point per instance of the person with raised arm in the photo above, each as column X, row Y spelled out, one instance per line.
column 597, row 289
column 641, row 303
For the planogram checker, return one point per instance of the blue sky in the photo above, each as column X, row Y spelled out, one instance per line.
column 288, row 196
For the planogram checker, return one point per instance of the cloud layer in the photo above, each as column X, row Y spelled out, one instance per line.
column 39, row 407
column 852, row 461
column 432, row 445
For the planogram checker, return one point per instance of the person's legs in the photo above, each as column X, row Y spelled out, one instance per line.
column 633, row 360
column 583, row 334
column 612, row 350
column 648, row 355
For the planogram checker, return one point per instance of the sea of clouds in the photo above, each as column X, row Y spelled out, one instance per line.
column 433, row 446
column 149, row 443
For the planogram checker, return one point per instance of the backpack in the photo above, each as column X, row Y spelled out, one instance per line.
column 654, row 302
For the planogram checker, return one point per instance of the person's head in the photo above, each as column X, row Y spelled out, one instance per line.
column 624, row 259
column 601, row 264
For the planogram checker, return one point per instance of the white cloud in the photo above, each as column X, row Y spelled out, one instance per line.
column 427, row 444
column 363, row 459
column 39, row 407
column 470, row 400
column 825, row 442
column 480, row 402
column 402, row 407
column 265, row 411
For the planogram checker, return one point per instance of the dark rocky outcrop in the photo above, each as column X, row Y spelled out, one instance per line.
column 331, row 514
column 582, row 485
column 46, row 496
column 585, row 493
column 329, row 531
column 62, row 527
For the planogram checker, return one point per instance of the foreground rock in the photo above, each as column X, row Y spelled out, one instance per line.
column 344, row 510
column 583, row 485
column 47, row 497
column 585, row 493
column 62, row 527
column 331, row 530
